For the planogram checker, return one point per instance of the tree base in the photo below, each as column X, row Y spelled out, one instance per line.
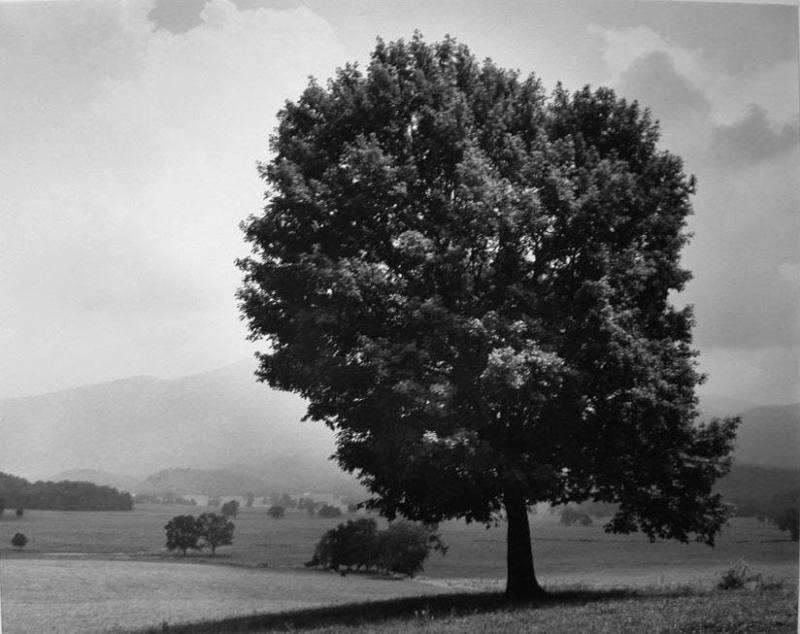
column 525, row 591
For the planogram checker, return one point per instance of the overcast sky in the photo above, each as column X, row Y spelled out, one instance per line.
column 130, row 132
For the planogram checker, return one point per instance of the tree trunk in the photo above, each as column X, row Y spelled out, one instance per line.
column 521, row 581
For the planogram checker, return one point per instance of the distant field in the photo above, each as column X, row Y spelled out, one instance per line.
column 112, row 568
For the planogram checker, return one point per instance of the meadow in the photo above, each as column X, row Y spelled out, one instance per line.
column 100, row 571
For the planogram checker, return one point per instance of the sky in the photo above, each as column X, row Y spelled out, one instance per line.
column 131, row 131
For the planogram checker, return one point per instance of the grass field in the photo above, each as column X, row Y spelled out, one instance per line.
column 683, row 610
column 95, row 571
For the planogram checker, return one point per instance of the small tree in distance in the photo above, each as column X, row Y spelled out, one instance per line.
column 276, row 511
column 472, row 283
column 183, row 533
column 215, row 530
column 328, row 511
column 19, row 541
column 230, row 509
column 308, row 504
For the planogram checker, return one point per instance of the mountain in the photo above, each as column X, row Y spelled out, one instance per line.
column 717, row 406
column 225, row 420
column 205, row 481
column 751, row 488
column 768, row 435
column 141, row 425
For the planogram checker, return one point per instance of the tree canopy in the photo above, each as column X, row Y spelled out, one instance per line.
column 470, row 280
column 215, row 530
column 183, row 533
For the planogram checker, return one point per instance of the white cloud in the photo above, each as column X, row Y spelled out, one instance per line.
column 126, row 202
column 732, row 131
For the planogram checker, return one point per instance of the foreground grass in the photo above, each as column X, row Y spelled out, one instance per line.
column 684, row 610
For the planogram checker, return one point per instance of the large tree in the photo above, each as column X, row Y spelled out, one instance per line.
column 471, row 282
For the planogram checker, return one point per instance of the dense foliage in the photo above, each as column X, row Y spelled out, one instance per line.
column 61, row 496
column 402, row 548
column 215, row 530
column 183, row 533
column 470, row 281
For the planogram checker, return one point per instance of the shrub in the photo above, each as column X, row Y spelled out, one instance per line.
column 738, row 576
column 404, row 547
column 19, row 540
column 352, row 544
column 19, row 512
column 571, row 516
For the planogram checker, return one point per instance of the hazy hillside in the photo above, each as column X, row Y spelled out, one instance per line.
column 768, row 435
column 142, row 425
column 224, row 419
column 101, row 478
column 751, row 487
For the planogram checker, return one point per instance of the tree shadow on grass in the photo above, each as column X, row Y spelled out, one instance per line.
column 429, row 606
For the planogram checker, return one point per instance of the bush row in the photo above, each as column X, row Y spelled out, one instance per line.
column 402, row 548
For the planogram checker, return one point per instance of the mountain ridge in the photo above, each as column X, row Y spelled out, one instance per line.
column 225, row 419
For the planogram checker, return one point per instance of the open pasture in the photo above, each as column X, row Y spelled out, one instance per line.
column 71, row 596
column 97, row 571
column 585, row 554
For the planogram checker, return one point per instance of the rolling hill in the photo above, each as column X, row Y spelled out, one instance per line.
column 225, row 420
column 141, row 425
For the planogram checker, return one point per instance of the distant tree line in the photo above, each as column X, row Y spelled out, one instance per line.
column 166, row 498
column 61, row 496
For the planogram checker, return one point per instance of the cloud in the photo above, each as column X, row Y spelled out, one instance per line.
column 752, row 139
column 746, row 223
column 123, row 198
column 653, row 80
